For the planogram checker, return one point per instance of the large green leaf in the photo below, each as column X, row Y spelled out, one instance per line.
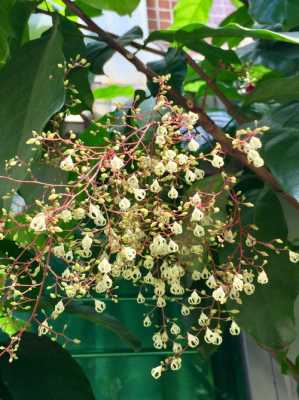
column 268, row 315
column 191, row 11
column 173, row 63
column 280, row 90
column 122, row 7
column 190, row 34
column 282, row 12
column 44, row 370
column 14, row 15
column 87, row 312
column 98, row 52
column 239, row 16
column 32, row 91
column 283, row 57
column 281, row 146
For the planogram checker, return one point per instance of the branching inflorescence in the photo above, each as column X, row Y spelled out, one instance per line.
column 147, row 206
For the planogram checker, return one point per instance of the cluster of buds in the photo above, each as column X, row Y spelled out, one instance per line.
column 139, row 210
column 248, row 141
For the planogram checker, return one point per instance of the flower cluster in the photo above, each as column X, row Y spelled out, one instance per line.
column 248, row 141
column 139, row 207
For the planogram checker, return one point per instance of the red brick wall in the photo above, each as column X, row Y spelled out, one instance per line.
column 160, row 12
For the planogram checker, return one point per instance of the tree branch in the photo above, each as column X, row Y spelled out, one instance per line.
column 206, row 122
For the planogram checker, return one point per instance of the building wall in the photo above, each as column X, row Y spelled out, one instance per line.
column 160, row 12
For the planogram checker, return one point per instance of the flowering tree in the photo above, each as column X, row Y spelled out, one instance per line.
column 196, row 217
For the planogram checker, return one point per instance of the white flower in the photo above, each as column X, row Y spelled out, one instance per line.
column 38, row 223
column 67, row 164
column 293, row 256
column 262, row 278
column 176, row 363
column 139, row 194
column 66, row 215
column 155, row 187
column 173, row 193
column 190, row 177
column 170, row 154
column 249, row 288
column 159, row 169
column 147, row 322
column 58, row 251
column 203, row 319
column 129, row 253
column 176, row 228
column 254, row 158
column 217, row 161
column 86, row 242
column 99, row 306
column 59, row 308
column 104, row 266
column 133, row 182
column 238, row 282
column 160, row 140
column 255, row 143
column 148, row 262
column 193, row 341
column 196, row 200
column 124, row 204
column 140, row 298
column 171, row 167
column 219, row 295
column 194, row 298
column 172, row 246
column 79, row 213
column 197, row 215
column 198, row 231
column 258, row 162
column 193, row 145
column 185, row 310
column 157, row 372
column 234, row 329
column 199, row 173
column 175, row 329
column 96, row 214
column 211, row 282
column 182, row 159
column 116, row 163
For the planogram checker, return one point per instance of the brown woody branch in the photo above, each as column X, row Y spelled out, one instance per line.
column 206, row 122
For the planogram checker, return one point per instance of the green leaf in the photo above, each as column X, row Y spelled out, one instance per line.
column 281, row 146
column 268, row 315
column 173, row 63
column 14, row 15
column 280, row 90
column 98, row 52
column 283, row 57
column 73, row 45
column 122, row 7
column 107, row 321
column 53, row 373
column 191, row 11
column 239, row 16
column 282, row 12
column 32, row 91
column 214, row 54
column 10, row 325
column 111, row 91
column 190, row 34
column 88, row 9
